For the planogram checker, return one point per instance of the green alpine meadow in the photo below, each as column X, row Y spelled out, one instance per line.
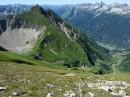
column 66, row 50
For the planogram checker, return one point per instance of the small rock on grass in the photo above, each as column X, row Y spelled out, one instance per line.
column 90, row 94
column 16, row 94
column 2, row 89
column 122, row 93
column 49, row 95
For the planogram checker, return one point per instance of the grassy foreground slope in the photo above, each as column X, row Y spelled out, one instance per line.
column 38, row 81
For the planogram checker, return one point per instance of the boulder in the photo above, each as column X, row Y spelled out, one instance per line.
column 115, row 93
column 50, row 85
column 2, row 89
column 72, row 95
column 122, row 93
column 89, row 94
column 49, row 95
column 16, row 94
column 69, row 94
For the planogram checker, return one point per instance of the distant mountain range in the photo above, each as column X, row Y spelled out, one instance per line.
column 11, row 9
column 107, row 23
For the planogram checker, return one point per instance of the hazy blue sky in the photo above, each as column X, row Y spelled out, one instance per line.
column 58, row 1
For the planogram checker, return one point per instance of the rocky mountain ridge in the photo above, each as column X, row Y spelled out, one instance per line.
column 107, row 23
column 114, row 8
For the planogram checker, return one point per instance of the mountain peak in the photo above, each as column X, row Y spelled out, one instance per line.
column 48, row 13
column 38, row 8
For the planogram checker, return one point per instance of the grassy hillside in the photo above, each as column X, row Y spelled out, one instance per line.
column 15, row 58
column 121, row 58
column 55, row 46
column 125, row 64
column 39, row 81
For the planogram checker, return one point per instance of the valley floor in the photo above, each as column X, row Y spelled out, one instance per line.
column 21, row 80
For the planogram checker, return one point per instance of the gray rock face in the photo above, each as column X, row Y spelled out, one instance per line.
column 18, row 40
column 18, row 36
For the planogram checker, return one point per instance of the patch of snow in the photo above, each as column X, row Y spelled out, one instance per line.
column 99, row 8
